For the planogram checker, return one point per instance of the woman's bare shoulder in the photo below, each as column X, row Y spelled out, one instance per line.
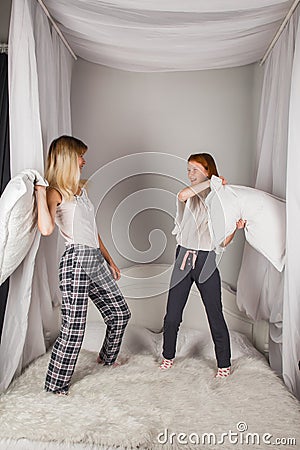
column 53, row 195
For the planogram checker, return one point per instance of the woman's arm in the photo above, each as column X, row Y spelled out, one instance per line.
column 240, row 224
column 47, row 202
column 114, row 269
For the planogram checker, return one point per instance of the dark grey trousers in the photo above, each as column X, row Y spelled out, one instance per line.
column 207, row 278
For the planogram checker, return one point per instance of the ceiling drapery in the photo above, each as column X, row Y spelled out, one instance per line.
column 169, row 35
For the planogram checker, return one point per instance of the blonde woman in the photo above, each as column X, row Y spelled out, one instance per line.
column 82, row 270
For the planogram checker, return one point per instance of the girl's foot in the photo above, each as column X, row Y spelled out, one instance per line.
column 222, row 372
column 166, row 364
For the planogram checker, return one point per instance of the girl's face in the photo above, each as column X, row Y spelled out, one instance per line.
column 196, row 172
column 81, row 161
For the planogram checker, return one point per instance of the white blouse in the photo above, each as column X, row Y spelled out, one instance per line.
column 191, row 223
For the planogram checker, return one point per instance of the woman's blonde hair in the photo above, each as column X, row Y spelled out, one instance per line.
column 62, row 169
column 207, row 162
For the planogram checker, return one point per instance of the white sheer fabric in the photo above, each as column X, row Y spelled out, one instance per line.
column 291, row 307
column 25, row 130
column 168, row 35
column 40, row 78
column 260, row 290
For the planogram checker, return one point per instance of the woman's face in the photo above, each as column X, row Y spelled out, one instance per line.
column 196, row 172
column 81, row 160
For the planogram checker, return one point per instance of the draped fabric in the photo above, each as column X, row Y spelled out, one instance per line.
column 4, row 159
column 262, row 292
column 169, row 35
column 4, row 123
column 291, row 307
column 39, row 92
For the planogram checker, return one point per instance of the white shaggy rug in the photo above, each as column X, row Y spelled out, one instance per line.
column 131, row 405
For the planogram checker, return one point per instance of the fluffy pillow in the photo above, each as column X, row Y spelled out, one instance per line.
column 18, row 220
column 265, row 215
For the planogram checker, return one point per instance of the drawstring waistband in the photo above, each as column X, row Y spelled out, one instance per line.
column 186, row 255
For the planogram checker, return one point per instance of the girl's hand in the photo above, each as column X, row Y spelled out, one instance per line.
column 115, row 271
column 241, row 224
column 224, row 181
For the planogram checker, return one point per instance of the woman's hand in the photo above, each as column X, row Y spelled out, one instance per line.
column 115, row 271
column 38, row 188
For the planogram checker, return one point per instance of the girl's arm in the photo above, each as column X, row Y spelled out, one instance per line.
column 240, row 224
column 47, row 202
column 114, row 269
column 191, row 191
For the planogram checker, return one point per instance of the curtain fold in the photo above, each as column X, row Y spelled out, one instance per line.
column 168, row 35
column 291, row 307
column 261, row 290
column 4, row 159
column 40, row 70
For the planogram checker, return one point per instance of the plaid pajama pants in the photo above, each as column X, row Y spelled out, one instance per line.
column 83, row 274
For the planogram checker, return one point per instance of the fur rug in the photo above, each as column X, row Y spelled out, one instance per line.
column 131, row 405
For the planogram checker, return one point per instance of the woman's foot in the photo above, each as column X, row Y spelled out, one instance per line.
column 117, row 363
column 166, row 364
column 60, row 393
column 223, row 372
column 99, row 360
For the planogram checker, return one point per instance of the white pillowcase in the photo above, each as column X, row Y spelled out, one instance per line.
column 265, row 215
column 18, row 220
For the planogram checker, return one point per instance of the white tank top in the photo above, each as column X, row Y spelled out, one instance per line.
column 76, row 220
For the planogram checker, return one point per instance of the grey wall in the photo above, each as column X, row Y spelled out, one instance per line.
column 121, row 113
column 5, row 7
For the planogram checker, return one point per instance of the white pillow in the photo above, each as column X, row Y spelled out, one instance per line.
column 139, row 340
column 195, row 343
column 18, row 220
column 265, row 215
column 190, row 343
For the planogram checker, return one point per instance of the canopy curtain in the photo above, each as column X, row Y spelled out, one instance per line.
column 4, row 159
column 262, row 292
column 39, row 92
column 291, row 306
column 169, row 35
